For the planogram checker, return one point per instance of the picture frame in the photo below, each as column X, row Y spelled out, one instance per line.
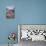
column 10, row 12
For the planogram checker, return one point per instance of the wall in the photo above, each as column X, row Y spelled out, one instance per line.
column 31, row 11
column 6, row 25
column 27, row 12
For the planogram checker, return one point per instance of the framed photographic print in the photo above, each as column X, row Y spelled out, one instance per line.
column 10, row 12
